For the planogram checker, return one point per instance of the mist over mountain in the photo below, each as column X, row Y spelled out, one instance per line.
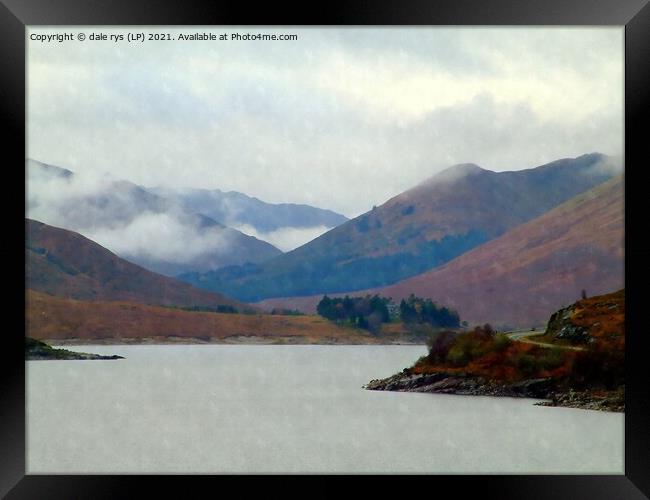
column 417, row 230
column 68, row 265
column 285, row 225
column 138, row 225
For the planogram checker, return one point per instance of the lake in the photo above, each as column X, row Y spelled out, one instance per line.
column 290, row 409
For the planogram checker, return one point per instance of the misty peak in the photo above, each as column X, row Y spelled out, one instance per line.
column 456, row 172
column 50, row 170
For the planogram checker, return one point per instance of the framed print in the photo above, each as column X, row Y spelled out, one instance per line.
column 352, row 241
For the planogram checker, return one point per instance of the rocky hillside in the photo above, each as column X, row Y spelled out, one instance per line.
column 599, row 319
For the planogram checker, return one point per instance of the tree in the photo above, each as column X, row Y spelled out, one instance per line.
column 439, row 344
column 324, row 307
column 363, row 312
column 418, row 310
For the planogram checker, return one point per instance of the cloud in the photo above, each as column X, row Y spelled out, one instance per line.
column 160, row 236
column 610, row 165
column 343, row 118
column 123, row 218
column 73, row 201
column 285, row 238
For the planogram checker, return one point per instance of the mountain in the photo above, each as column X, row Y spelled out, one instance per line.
column 68, row 265
column 237, row 209
column 420, row 229
column 140, row 226
column 48, row 172
column 520, row 278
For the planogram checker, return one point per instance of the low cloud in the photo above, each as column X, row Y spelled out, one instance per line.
column 160, row 236
column 344, row 119
column 285, row 238
column 608, row 165
column 121, row 217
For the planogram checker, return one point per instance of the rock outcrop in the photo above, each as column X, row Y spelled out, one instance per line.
column 589, row 319
column 463, row 384
column 35, row 350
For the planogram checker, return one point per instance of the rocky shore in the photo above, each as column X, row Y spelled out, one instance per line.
column 468, row 385
column 35, row 350
column 611, row 401
column 455, row 383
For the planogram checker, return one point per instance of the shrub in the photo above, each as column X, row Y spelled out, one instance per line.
column 501, row 342
column 439, row 344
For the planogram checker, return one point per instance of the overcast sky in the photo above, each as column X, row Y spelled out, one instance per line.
column 341, row 118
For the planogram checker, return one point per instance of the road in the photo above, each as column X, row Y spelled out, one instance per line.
column 524, row 336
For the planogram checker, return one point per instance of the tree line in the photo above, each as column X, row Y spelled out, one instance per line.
column 367, row 312
column 371, row 311
column 419, row 310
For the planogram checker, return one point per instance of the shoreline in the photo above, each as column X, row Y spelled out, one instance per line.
column 469, row 385
column 36, row 350
column 230, row 340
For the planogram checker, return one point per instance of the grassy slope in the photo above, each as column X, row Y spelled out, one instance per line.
column 55, row 318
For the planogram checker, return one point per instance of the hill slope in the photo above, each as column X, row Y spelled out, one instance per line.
column 66, row 264
column 420, row 229
column 536, row 268
column 520, row 278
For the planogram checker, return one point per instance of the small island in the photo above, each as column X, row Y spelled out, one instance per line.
column 577, row 361
column 35, row 350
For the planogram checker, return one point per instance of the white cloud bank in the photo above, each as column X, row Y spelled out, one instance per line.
column 285, row 238
column 160, row 236
column 342, row 118
column 117, row 216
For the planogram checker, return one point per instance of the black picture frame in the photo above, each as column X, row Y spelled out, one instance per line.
column 15, row 15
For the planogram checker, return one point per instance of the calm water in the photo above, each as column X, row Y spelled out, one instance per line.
column 217, row 408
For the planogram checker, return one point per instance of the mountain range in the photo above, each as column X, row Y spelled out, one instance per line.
column 241, row 211
column 506, row 248
column 418, row 230
column 519, row 278
column 165, row 230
